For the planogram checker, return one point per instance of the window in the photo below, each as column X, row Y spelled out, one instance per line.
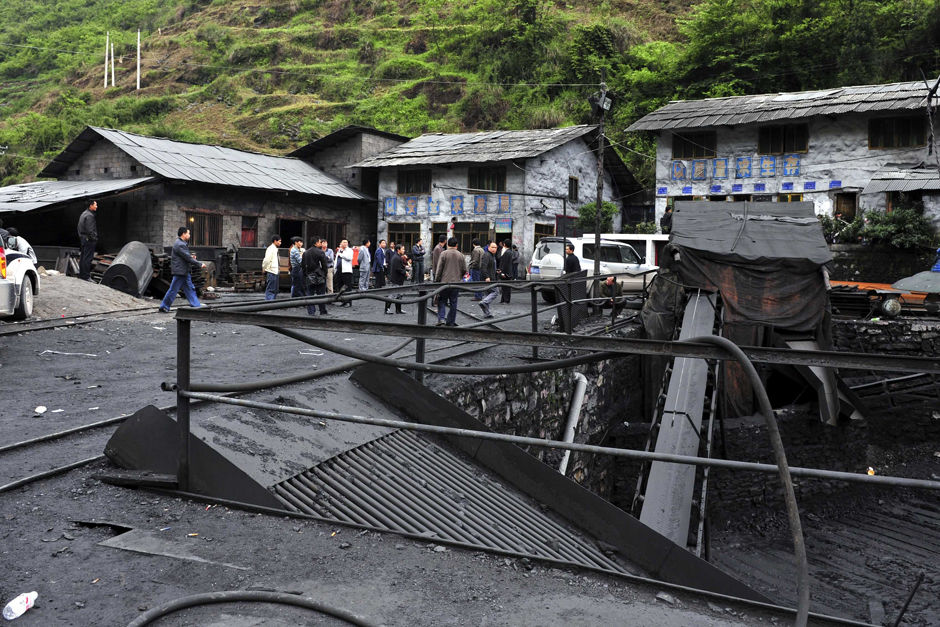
column 466, row 232
column 205, row 229
column 789, row 197
column 901, row 132
column 782, row 139
column 333, row 232
column 491, row 178
column 404, row 233
column 437, row 229
column 846, row 204
column 414, row 181
column 628, row 255
column 694, row 145
column 572, row 189
column 542, row 230
column 249, row 237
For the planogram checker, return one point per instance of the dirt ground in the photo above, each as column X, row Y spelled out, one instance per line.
column 63, row 296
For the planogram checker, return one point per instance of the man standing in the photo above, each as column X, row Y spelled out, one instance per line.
column 665, row 222
column 435, row 256
column 488, row 274
column 365, row 264
column 316, row 268
column 271, row 267
column 397, row 275
column 344, row 269
column 505, row 270
column 298, row 284
column 451, row 266
column 181, row 263
column 88, row 235
column 378, row 265
column 328, row 253
column 572, row 263
column 476, row 255
column 417, row 261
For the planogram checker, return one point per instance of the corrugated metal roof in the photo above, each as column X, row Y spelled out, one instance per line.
column 904, row 181
column 29, row 196
column 489, row 146
column 209, row 164
column 404, row 482
column 784, row 106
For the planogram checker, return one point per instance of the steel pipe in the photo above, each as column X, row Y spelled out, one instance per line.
column 574, row 415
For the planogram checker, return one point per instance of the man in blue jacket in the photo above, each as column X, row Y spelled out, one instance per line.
column 378, row 264
column 181, row 263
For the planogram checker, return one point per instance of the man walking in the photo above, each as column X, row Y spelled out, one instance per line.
column 365, row 265
column 476, row 255
column 298, row 284
column 451, row 266
column 271, row 267
column 378, row 265
column 397, row 274
column 417, row 261
column 488, row 274
column 181, row 264
column 505, row 270
column 316, row 268
column 88, row 235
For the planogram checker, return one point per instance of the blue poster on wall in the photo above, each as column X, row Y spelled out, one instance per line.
column 662, row 191
column 768, row 166
column 390, row 205
column 720, row 169
column 787, row 187
column 791, row 165
column 411, row 205
column 687, row 190
column 760, row 187
column 678, row 171
column 737, row 188
column 742, row 168
column 699, row 170
column 714, row 189
column 504, row 203
column 434, row 207
column 479, row 204
column 809, row 186
column 456, row 205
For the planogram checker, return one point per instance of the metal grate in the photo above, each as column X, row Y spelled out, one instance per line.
column 404, row 482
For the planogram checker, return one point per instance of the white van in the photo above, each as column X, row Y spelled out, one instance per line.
column 615, row 258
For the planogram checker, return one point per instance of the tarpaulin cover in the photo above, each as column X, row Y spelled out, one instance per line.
column 765, row 259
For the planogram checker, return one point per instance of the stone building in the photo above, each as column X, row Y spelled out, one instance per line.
column 147, row 187
column 845, row 149
column 517, row 185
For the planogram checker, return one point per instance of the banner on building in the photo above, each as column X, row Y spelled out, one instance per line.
column 390, row 203
column 456, row 205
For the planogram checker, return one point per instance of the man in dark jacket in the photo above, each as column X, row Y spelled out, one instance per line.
column 435, row 257
column 417, row 262
column 488, row 275
column 397, row 273
column 316, row 268
column 612, row 291
column 88, row 235
column 476, row 257
column 572, row 264
column 505, row 270
column 378, row 264
column 451, row 267
column 181, row 263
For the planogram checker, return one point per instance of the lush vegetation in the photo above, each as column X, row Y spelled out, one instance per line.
column 904, row 227
column 271, row 76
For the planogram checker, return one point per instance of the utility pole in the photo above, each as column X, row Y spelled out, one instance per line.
column 107, row 44
column 138, row 59
column 602, row 104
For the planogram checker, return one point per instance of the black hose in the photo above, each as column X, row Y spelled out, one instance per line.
column 251, row 596
column 793, row 512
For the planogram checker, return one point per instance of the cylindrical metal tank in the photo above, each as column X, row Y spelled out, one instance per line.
column 131, row 270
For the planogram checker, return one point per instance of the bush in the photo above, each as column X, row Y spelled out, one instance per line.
column 586, row 217
column 645, row 228
column 403, row 68
column 902, row 228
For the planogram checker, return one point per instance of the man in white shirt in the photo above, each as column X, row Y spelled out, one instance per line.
column 271, row 267
column 344, row 269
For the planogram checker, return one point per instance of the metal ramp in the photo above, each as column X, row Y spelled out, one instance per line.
column 668, row 498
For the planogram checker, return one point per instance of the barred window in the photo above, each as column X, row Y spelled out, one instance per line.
column 694, row 145
column 205, row 229
column 414, row 181
column 488, row 178
column 898, row 132
column 783, row 139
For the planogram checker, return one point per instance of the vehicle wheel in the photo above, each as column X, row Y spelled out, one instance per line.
column 548, row 295
column 25, row 307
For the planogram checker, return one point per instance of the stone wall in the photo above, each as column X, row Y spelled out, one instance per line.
column 536, row 405
column 875, row 264
column 104, row 161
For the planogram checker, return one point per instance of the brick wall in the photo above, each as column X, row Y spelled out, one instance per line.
column 104, row 161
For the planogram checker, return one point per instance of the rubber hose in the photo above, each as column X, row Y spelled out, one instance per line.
column 252, row 596
column 793, row 513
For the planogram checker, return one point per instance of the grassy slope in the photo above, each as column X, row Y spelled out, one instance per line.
column 271, row 76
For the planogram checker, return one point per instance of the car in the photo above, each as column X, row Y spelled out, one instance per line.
column 616, row 258
column 19, row 284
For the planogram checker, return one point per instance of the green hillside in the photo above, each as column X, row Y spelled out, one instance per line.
column 271, row 76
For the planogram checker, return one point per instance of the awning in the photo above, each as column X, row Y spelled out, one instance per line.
column 920, row 179
column 29, row 196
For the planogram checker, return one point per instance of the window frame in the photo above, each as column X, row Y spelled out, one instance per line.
column 412, row 182
column 911, row 120
column 787, row 132
column 205, row 228
column 573, row 191
column 488, row 178
column 405, row 233
column 697, row 145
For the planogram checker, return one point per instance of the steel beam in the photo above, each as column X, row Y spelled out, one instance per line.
column 627, row 346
